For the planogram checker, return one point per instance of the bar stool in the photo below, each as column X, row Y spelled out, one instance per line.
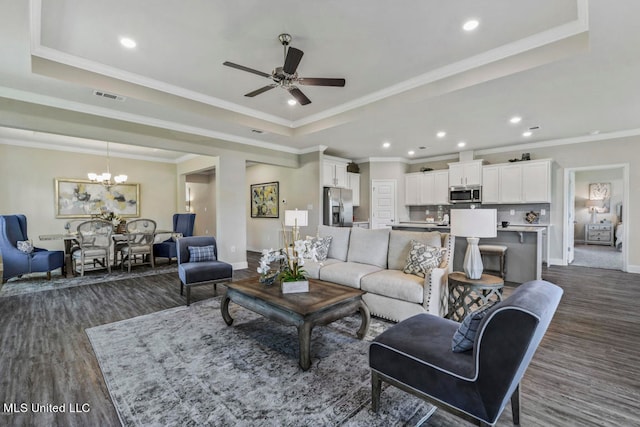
column 495, row 250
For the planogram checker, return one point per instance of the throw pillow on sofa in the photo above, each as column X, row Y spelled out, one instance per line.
column 423, row 258
column 318, row 246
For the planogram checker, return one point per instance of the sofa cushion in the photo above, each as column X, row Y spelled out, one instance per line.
column 201, row 253
column 339, row 246
column 400, row 245
column 423, row 258
column 312, row 268
column 394, row 284
column 369, row 246
column 347, row 273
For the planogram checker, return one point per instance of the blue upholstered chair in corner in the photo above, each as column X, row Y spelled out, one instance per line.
column 13, row 229
column 198, row 263
column 476, row 380
column 183, row 224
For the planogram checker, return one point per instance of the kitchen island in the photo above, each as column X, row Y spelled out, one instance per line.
column 524, row 256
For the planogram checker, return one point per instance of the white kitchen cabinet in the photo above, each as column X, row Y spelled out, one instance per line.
column 441, row 187
column 353, row 182
column 412, row 189
column 521, row 182
column 491, row 184
column 536, row 182
column 426, row 188
column 511, row 184
column 334, row 173
column 465, row 173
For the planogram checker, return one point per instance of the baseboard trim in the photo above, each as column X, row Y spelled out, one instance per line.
column 633, row 269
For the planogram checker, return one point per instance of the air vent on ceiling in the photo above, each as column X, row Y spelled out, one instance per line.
column 109, row 95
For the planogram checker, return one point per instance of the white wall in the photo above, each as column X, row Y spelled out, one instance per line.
column 27, row 186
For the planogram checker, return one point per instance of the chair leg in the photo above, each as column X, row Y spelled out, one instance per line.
column 48, row 275
column 515, row 405
column 181, row 287
column 188, row 296
column 376, row 387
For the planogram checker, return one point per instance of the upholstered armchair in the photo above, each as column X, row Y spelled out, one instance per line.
column 13, row 229
column 182, row 224
column 416, row 355
column 94, row 245
column 198, row 263
column 139, row 242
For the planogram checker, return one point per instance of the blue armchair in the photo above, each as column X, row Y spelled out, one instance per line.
column 13, row 228
column 182, row 223
column 198, row 263
column 416, row 356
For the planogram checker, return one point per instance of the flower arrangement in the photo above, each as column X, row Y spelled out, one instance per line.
column 269, row 256
column 294, row 261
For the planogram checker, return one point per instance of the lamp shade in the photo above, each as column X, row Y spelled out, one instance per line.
column 295, row 218
column 593, row 203
column 474, row 222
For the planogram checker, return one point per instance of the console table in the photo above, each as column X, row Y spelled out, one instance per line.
column 466, row 294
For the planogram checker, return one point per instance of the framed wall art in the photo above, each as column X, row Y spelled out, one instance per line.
column 77, row 198
column 264, row 200
column 599, row 191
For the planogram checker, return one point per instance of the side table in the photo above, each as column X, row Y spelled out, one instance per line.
column 465, row 293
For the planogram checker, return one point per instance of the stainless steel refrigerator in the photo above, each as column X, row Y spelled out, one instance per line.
column 338, row 207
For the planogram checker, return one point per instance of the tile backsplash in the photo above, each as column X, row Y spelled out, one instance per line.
column 418, row 213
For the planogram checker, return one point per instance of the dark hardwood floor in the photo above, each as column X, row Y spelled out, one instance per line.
column 586, row 371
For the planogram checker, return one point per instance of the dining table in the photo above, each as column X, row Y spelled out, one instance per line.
column 70, row 239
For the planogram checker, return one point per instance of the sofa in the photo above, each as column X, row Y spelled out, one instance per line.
column 374, row 260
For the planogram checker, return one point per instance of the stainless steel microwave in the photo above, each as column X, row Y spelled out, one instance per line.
column 466, row 194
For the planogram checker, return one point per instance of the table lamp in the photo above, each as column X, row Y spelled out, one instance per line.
column 295, row 219
column 593, row 206
column 473, row 224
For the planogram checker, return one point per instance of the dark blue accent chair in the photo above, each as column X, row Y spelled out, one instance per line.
column 415, row 356
column 13, row 228
column 200, row 273
column 182, row 223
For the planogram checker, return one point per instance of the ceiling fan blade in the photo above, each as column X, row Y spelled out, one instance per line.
column 299, row 96
column 247, row 69
column 292, row 60
column 317, row 81
column 261, row 90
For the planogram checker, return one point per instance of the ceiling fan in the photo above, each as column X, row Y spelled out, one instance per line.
column 286, row 76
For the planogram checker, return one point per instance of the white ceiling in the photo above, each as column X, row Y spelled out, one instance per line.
column 567, row 66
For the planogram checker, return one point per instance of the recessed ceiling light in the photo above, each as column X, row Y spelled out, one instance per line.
column 515, row 119
column 470, row 25
column 527, row 134
column 386, row 144
column 461, row 144
column 441, row 134
column 128, row 42
column 292, row 102
column 411, row 152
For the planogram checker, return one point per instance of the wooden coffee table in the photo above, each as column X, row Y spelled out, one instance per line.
column 324, row 303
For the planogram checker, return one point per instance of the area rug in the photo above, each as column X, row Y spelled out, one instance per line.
column 37, row 282
column 185, row 366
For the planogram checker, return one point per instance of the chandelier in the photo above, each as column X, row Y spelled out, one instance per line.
column 105, row 177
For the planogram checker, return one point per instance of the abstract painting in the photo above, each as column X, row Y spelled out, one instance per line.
column 264, row 200
column 84, row 199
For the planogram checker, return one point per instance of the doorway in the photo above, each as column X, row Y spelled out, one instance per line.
column 383, row 203
column 596, row 204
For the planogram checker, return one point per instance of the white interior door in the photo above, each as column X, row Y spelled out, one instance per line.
column 383, row 203
column 571, row 215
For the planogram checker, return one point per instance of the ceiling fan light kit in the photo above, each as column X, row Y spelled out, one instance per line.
column 286, row 76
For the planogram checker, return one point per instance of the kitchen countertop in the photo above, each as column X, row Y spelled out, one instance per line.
column 434, row 226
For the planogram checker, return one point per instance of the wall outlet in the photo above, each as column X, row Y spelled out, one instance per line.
column 512, row 212
column 206, row 231
column 233, row 249
column 543, row 211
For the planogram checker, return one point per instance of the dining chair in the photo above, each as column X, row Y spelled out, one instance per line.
column 139, row 243
column 183, row 224
column 94, row 245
